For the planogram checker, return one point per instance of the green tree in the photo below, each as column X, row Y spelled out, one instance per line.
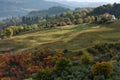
column 63, row 24
column 63, row 64
column 77, row 16
column 45, row 74
column 8, row 32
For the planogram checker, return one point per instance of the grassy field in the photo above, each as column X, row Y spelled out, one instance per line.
column 73, row 38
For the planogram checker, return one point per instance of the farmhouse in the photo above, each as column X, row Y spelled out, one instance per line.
column 106, row 17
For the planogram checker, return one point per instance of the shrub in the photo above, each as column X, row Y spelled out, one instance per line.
column 99, row 78
column 86, row 59
column 65, row 50
column 79, row 53
column 102, row 68
column 75, row 63
column 63, row 24
column 63, row 64
column 45, row 74
column 117, row 57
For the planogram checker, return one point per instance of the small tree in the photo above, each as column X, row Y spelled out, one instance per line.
column 102, row 68
column 63, row 24
column 9, row 32
column 79, row 21
column 77, row 16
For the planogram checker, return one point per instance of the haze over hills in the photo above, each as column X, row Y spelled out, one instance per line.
column 48, row 12
column 75, row 4
column 22, row 7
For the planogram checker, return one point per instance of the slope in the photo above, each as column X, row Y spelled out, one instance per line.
column 74, row 38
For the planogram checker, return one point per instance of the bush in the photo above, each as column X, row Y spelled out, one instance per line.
column 63, row 24
column 75, row 63
column 102, row 68
column 99, row 78
column 63, row 64
column 45, row 74
column 79, row 53
column 69, row 23
column 65, row 50
column 117, row 57
column 86, row 59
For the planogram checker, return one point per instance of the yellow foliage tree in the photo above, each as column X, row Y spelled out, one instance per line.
column 102, row 68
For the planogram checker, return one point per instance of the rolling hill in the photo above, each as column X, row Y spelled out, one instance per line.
column 10, row 8
column 72, row 37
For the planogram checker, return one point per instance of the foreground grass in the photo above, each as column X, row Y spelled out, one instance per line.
column 74, row 38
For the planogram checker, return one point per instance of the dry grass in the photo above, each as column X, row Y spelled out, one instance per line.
column 76, row 37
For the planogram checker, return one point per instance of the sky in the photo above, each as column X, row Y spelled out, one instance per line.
column 110, row 1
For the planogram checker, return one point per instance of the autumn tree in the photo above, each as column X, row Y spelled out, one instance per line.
column 79, row 21
column 102, row 68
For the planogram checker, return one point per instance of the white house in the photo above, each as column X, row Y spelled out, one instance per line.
column 113, row 17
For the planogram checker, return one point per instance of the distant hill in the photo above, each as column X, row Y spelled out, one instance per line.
column 22, row 7
column 14, row 8
column 49, row 12
column 74, row 4
column 84, row 4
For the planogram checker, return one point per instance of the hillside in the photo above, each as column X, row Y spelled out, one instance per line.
column 83, row 50
column 58, row 43
column 72, row 38
column 53, row 35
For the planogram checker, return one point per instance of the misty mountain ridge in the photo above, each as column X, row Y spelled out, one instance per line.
column 77, row 4
column 14, row 8
column 48, row 12
column 19, row 8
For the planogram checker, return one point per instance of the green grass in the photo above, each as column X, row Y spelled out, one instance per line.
column 29, row 79
column 73, row 38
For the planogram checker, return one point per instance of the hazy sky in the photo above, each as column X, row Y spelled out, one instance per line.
column 97, row 0
column 111, row 1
